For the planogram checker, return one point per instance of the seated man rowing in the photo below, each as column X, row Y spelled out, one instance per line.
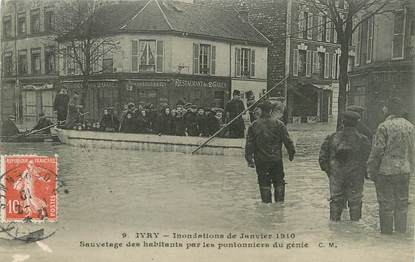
column 43, row 125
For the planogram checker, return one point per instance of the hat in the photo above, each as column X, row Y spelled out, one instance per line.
column 194, row 107
column 236, row 92
column 351, row 116
column 356, row 108
column 130, row 105
column 11, row 117
column 395, row 106
column 266, row 106
column 187, row 105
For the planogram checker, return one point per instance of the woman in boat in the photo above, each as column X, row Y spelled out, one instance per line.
column 143, row 122
column 165, row 122
column 109, row 122
column 129, row 124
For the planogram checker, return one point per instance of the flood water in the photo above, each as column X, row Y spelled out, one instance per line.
column 105, row 193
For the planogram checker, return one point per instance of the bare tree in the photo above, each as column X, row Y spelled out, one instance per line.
column 83, row 37
column 346, row 17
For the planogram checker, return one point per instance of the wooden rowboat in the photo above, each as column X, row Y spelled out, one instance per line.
column 32, row 138
column 150, row 142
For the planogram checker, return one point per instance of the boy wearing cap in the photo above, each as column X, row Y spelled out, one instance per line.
column 391, row 161
column 263, row 151
column 343, row 157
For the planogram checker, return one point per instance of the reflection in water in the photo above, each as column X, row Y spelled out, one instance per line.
column 105, row 192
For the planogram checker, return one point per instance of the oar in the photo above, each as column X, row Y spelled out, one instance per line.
column 235, row 118
column 38, row 130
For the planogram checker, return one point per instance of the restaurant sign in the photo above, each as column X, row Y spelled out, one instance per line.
column 200, row 83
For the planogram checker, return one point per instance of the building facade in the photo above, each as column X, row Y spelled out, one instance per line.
column 384, row 64
column 166, row 52
column 304, row 48
column 29, row 72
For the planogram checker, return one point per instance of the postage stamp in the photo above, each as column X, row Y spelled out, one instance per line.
column 28, row 184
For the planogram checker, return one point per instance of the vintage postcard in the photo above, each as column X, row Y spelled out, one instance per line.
column 207, row 130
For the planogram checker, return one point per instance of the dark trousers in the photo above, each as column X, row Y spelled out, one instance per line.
column 237, row 129
column 270, row 173
column 392, row 193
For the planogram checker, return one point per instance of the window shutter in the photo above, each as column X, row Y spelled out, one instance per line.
column 252, row 63
column 320, row 28
column 333, row 67
column 213, row 61
column 301, row 24
column 326, row 65
column 328, row 29
column 334, row 35
column 338, row 66
column 308, row 63
column 310, row 26
column 295, row 62
column 195, row 58
column 315, row 61
column 237, row 62
column 160, row 56
column 134, row 55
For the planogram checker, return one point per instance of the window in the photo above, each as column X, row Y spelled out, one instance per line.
column 21, row 25
column 7, row 27
column 244, row 62
column 326, row 65
column 36, row 64
column 398, row 34
column 107, row 65
column 204, row 59
column 49, row 20
column 8, row 63
column 320, row 29
column 335, row 66
column 321, row 64
column 328, row 27
column 147, row 56
column 245, row 65
column 309, row 26
column 35, row 21
column 134, row 56
column 70, row 62
column 49, row 60
column 302, row 62
column 22, row 62
column 369, row 50
column 358, row 45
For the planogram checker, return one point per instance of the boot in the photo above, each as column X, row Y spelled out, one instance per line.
column 336, row 211
column 355, row 211
column 400, row 221
column 386, row 223
column 279, row 193
column 266, row 194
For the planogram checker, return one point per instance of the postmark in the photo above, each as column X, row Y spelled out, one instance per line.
column 29, row 185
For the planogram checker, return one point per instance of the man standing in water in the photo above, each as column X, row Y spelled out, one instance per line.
column 263, row 151
column 343, row 157
column 390, row 164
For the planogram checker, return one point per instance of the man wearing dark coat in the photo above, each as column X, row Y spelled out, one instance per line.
column 8, row 127
column 201, row 122
column 361, row 127
column 109, row 122
column 190, row 121
column 232, row 109
column 343, row 157
column 263, row 150
column 43, row 122
column 60, row 105
column 178, row 122
column 129, row 124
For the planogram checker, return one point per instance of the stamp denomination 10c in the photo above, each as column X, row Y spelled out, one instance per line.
column 28, row 188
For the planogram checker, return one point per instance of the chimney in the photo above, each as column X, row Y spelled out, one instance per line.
column 243, row 11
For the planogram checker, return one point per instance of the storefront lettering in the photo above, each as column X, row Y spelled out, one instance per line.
column 148, row 84
column 199, row 83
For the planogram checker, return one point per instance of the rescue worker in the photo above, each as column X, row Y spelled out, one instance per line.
column 43, row 122
column 390, row 164
column 361, row 127
column 263, row 150
column 232, row 109
column 60, row 105
column 8, row 127
column 343, row 157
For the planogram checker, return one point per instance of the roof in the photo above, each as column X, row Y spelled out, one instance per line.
column 179, row 17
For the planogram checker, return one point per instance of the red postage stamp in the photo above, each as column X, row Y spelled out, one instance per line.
column 29, row 188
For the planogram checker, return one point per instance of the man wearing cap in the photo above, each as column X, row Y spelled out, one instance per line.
column 43, row 122
column 190, row 121
column 361, row 127
column 343, row 157
column 391, row 162
column 263, row 150
column 232, row 109
column 8, row 127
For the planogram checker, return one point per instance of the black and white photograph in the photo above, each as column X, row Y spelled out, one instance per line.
column 207, row 130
